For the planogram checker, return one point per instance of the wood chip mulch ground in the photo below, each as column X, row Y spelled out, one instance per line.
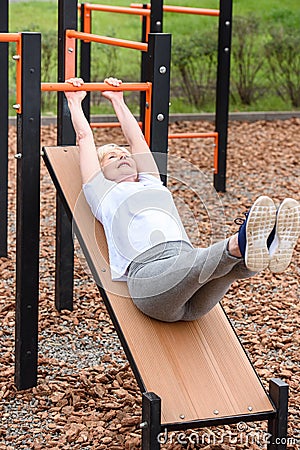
column 87, row 397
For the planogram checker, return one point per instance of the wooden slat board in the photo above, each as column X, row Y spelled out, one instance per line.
column 195, row 367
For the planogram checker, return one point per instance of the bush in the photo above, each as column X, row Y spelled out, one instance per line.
column 283, row 56
column 104, row 62
column 247, row 59
column 49, row 68
column 194, row 61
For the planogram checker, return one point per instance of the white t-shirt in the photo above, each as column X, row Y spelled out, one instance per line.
column 135, row 215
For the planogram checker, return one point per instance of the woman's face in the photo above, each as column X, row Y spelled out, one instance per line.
column 118, row 165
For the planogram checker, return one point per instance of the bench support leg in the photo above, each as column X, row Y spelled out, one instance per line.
column 64, row 259
column 151, row 421
column 277, row 427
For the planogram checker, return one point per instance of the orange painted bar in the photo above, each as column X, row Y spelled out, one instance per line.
column 107, row 40
column 108, row 124
column 87, row 28
column 19, row 76
column 192, row 135
column 148, row 111
column 95, row 87
column 117, row 9
column 16, row 37
column 10, row 37
column 70, row 58
column 213, row 135
column 147, row 87
column 184, row 10
column 88, row 7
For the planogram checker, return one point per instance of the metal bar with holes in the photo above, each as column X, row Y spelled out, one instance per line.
column 67, row 18
column 28, row 215
column 222, row 95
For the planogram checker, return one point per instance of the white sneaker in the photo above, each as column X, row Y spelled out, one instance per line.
column 259, row 224
column 287, row 232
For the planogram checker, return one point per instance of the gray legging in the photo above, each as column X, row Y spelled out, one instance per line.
column 174, row 281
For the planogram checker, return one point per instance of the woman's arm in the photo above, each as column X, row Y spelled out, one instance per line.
column 131, row 130
column 89, row 162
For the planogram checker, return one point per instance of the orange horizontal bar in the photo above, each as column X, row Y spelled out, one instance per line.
column 107, row 40
column 68, row 87
column 213, row 135
column 10, row 37
column 117, row 9
column 105, row 124
column 16, row 37
column 184, row 10
column 109, row 124
column 187, row 10
column 192, row 135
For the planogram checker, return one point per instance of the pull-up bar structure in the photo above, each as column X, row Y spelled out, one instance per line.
column 212, row 135
column 15, row 37
column 182, row 9
column 67, row 87
column 154, row 23
column 87, row 8
column 100, row 87
column 71, row 34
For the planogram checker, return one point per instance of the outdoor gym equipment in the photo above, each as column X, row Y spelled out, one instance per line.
column 203, row 376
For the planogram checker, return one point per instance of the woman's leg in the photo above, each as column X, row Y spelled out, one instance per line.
column 212, row 293
column 162, row 287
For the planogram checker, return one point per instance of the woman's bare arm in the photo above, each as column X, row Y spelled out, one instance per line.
column 131, row 130
column 89, row 162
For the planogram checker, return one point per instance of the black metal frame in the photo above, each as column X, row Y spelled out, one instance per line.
column 28, row 214
column 4, row 130
column 158, row 66
column 85, row 65
column 222, row 95
column 67, row 19
column 277, row 420
column 277, row 427
column 223, row 78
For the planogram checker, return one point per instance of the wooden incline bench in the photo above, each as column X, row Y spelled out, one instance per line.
column 191, row 374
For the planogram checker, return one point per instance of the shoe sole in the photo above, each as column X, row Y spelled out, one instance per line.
column 287, row 233
column 260, row 223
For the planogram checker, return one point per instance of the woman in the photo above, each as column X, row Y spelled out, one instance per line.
column 169, row 279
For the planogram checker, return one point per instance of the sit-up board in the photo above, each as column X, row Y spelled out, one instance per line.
column 198, row 369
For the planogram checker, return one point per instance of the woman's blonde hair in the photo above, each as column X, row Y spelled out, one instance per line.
column 104, row 149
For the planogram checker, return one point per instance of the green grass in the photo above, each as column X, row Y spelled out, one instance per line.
column 42, row 17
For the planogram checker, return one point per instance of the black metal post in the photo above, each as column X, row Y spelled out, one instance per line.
column 28, row 215
column 222, row 94
column 156, row 16
column 85, row 65
column 151, row 421
column 159, row 64
column 3, row 130
column 156, row 23
column 277, row 427
column 67, row 19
